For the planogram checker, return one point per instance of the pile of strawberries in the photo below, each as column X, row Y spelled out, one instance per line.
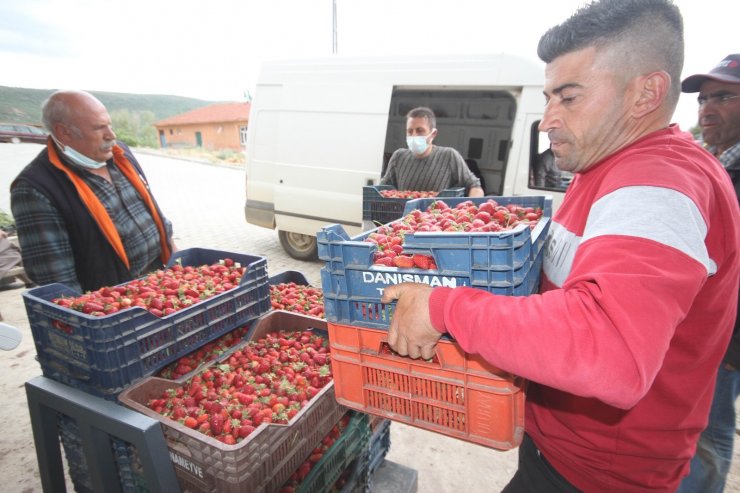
column 267, row 381
column 298, row 298
column 406, row 194
column 208, row 352
column 288, row 296
column 466, row 217
column 293, row 484
column 163, row 292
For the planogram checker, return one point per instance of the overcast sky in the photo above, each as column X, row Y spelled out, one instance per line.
column 213, row 50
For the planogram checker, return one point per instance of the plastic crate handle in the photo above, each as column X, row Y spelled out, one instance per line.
column 386, row 350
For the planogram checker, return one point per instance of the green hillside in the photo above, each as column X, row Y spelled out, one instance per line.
column 24, row 105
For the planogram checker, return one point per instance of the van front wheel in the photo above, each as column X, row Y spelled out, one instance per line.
column 299, row 246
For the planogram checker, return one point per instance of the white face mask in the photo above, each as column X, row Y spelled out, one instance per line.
column 78, row 158
column 418, row 144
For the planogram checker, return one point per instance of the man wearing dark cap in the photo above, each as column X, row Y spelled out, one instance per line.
column 719, row 118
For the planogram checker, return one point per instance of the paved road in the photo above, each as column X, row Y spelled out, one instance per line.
column 205, row 203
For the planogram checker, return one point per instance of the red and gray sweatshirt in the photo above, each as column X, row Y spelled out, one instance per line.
column 637, row 305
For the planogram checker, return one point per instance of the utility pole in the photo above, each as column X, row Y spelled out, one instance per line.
column 334, row 27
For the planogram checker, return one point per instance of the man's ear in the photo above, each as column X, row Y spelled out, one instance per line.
column 61, row 132
column 433, row 133
column 651, row 91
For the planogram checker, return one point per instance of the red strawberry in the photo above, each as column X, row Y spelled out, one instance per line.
column 421, row 261
column 489, row 206
column 217, row 424
column 245, row 430
column 403, row 261
column 91, row 306
column 439, row 205
column 385, row 261
column 483, row 216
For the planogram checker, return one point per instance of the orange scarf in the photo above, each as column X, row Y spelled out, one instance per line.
column 97, row 209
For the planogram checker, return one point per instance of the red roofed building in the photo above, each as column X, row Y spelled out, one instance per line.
column 214, row 127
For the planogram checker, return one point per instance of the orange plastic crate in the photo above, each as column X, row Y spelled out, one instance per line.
column 456, row 394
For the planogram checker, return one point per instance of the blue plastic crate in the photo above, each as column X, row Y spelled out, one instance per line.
column 381, row 210
column 358, row 477
column 362, row 469
column 505, row 263
column 102, row 355
column 125, row 454
column 380, row 443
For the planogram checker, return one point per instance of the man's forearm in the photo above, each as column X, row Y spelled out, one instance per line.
column 476, row 192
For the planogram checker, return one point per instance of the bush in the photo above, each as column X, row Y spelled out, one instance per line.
column 135, row 129
column 229, row 155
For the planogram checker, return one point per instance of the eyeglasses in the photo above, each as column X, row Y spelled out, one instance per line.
column 717, row 99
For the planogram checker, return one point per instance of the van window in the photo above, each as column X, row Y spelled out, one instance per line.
column 543, row 174
column 475, row 148
column 485, row 110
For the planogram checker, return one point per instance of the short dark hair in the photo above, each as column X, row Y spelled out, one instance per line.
column 423, row 112
column 647, row 35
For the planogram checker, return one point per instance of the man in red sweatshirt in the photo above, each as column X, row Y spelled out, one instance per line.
column 640, row 276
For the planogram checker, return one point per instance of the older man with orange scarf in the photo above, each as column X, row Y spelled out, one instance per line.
column 83, row 209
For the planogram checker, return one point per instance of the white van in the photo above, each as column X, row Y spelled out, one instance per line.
column 320, row 130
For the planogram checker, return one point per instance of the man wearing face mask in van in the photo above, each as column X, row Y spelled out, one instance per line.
column 425, row 166
column 83, row 210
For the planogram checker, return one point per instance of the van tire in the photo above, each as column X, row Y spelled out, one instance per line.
column 299, row 246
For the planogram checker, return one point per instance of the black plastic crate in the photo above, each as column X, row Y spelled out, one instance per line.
column 287, row 277
column 382, row 210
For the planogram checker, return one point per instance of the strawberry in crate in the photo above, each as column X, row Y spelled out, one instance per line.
column 407, row 194
column 296, row 479
column 466, row 217
column 161, row 292
column 204, row 354
column 267, row 381
column 300, row 298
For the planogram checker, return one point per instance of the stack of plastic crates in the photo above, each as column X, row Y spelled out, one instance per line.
column 265, row 459
column 104, row 355
column 455, row 393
